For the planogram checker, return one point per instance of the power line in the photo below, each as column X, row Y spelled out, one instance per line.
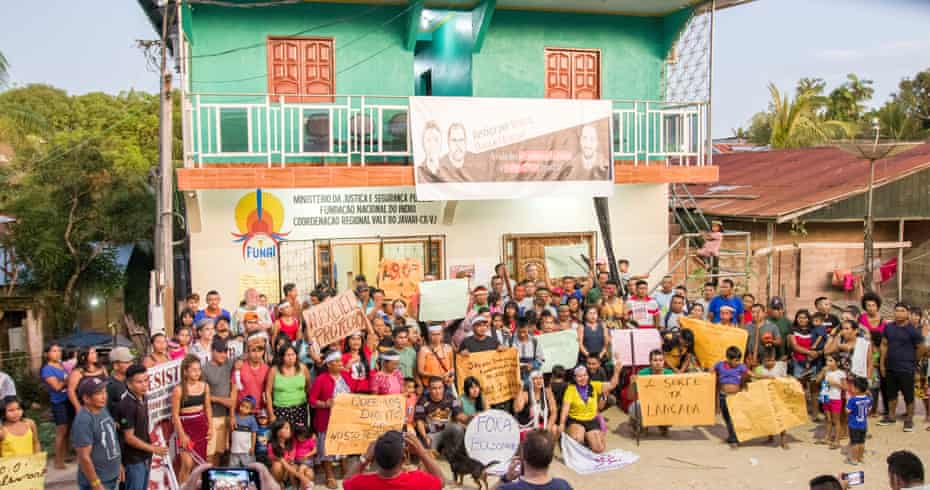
column 221, row 3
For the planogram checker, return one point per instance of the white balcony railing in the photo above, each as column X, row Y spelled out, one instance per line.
column 359, row 129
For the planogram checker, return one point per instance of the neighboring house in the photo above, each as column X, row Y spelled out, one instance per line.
column 804, row 210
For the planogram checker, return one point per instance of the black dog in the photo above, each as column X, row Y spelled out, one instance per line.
column 462, row 465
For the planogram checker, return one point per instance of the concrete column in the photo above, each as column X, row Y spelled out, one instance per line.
column 34, row 337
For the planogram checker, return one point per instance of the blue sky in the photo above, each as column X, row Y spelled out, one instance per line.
column 768, row 40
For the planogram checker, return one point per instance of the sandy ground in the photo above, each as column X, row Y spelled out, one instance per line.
column 697, row 458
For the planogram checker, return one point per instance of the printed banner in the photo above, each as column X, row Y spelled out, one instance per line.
column 566, row 260
column 493, row 435
column 500, row 148
column 497, row 372
column 23, row 472
column 443, row 300
column 356, row 421
column 677, row 399
column 711, row 341
column 559, row 349
column 585, row 462
column 162, row 380
column 335, row 318
column 632, row 347
column 161, row 475
column 400, row 278
column 767, row 407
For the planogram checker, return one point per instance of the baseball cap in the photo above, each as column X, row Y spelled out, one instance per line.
column 90, row 385
column 389, row 449
column 777, row 302
column 250, row 316
column 120, row 354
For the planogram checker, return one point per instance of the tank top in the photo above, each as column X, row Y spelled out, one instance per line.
column 289, row 391
column 193, row 400
column 13, row 445
column 289, row 329
column 803, row 340
column 253, row 382
column 593, row 339
column 178, row 353
column 432, row 365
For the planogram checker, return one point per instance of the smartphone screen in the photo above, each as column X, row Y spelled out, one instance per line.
column 855, row 478
column 230, row 479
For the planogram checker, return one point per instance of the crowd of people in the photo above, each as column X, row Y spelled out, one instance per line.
column 256, row 387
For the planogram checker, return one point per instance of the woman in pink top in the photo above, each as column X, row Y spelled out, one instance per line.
column 389, row 380
column 326, row 387
column 872, row 318
column 183, row 338
column 253, row 373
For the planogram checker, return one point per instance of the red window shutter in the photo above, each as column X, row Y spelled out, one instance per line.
column 558, row 75
column 318, row 69
column 283, row 66
column 586, row 75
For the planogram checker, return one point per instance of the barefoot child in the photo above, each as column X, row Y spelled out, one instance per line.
column 731, row 376
column 305, row 450
column 410, row 391
column 858, row 409
column 18, row 436
column 832, row 380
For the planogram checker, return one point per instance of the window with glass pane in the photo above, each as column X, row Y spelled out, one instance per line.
column 234, row 130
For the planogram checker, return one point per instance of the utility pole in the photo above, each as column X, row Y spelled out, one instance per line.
column 868, row 242
column 164, row 252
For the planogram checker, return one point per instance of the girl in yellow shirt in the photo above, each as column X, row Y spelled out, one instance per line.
column 579, row 418
column 18, row 436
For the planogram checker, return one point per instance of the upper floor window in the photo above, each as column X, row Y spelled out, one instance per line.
column 573, row 73
column 303, row 69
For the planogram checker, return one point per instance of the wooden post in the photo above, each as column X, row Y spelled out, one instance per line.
column 770, row 261
column 900, row 271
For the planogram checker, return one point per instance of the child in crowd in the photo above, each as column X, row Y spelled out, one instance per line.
column 832, row 380
column 242, row 439
column 18, row 436
column 282, row 452
column 772, row 368
column 858, row 409
column 262, row 434
column 731, row 376
column 305, row 450
column 410, row 391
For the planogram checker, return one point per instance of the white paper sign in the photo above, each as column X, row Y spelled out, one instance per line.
column 584, row 461
column 443, row 300
column 565, row 260
column 492, row 436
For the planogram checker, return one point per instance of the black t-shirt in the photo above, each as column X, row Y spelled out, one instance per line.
column 115, row 390
column 472, row 344
column 554, row 484
column 902, row 343
column 133, row 414
column 558, row 392
column 831, row 322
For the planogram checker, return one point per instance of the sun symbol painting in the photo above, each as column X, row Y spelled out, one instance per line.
column 259, row 217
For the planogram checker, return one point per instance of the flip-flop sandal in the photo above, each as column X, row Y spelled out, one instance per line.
column 331, row 484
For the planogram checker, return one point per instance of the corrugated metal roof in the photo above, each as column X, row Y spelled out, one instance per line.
column 789, row 181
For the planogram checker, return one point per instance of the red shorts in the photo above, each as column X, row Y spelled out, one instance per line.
column 834, row 406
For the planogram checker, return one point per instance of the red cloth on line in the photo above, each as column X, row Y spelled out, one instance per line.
column 888, row 269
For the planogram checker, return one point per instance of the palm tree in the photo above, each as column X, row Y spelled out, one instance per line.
column 795, row 124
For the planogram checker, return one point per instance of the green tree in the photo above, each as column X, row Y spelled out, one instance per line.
column 815, row 88
column 914, row 96
column 896, row 123
column 794, row 124
column 847, row 102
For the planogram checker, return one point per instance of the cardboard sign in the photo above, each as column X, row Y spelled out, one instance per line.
column 584, row 461
column 677, row 399
column 621, row 343
column 400, row 278
column 443, row 300
column 559, row 349
column 23, row 472
column 356, row 421
column 497, row 372
column 632, row 347
column 711, row 341
column 493, row 435
column 335, row 318
column 767, row 407
column 565, row 260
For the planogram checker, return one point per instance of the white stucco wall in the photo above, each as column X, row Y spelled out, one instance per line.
column 639, row 222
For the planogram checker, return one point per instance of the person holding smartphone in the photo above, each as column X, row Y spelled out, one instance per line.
column 529, row 470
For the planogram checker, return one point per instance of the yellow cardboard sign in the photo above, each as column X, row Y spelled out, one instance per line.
column 497, row 372
column 356, row 421
column 767, row 407
column 711, row 341
column 23, row 472
column 677, row 399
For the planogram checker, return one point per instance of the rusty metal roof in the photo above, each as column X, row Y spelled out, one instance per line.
column 782, row 183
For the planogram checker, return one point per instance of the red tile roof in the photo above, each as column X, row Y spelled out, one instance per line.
column 783, row 182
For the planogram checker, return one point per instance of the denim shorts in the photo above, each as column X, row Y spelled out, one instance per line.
column 63, row 413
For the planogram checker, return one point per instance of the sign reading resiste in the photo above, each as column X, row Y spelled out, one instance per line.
column 336, row 318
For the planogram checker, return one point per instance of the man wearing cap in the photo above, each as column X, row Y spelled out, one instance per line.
column 725, row 298
column 251, row 306
column 133, row 418
column 777, row 317
column 223, row 394
column 480, row 341
column 253, row 371
column 388, row 452
column 94, row 438
column 762, row 332
column 120, row 360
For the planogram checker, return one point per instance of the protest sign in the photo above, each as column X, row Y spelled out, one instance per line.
column 161, row 475
column 677, row 399
column 335, row 318
column 356, row 421
column 559, row 349
column 493, row 435
column 621, row 343
column 461, row 271
column 584, row 461
column 497, row 372
column 632, row 347
column 443, row 300
column 711, row 341
column 565, row 260
column 162, row 380
column 23, row 472
column 400, row 278
column 767, row 407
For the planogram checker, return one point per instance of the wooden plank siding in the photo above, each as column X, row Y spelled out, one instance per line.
column 907, row 197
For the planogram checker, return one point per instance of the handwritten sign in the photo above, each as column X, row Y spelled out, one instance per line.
column 565, row 260
column 632, row 347
column 443, row 300
column 767, row 407
column 497, row 372
column 23, row 472
column 621, row 343
column 356, row 421
column 559, row 349
column 400, row 278
column 335, row 318
column 677, row 399
column 711, row 341
column 493, row 435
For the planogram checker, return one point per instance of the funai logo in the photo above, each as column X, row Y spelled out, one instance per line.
column 259, row 217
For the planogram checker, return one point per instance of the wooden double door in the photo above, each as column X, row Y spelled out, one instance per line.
column 523, row 250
